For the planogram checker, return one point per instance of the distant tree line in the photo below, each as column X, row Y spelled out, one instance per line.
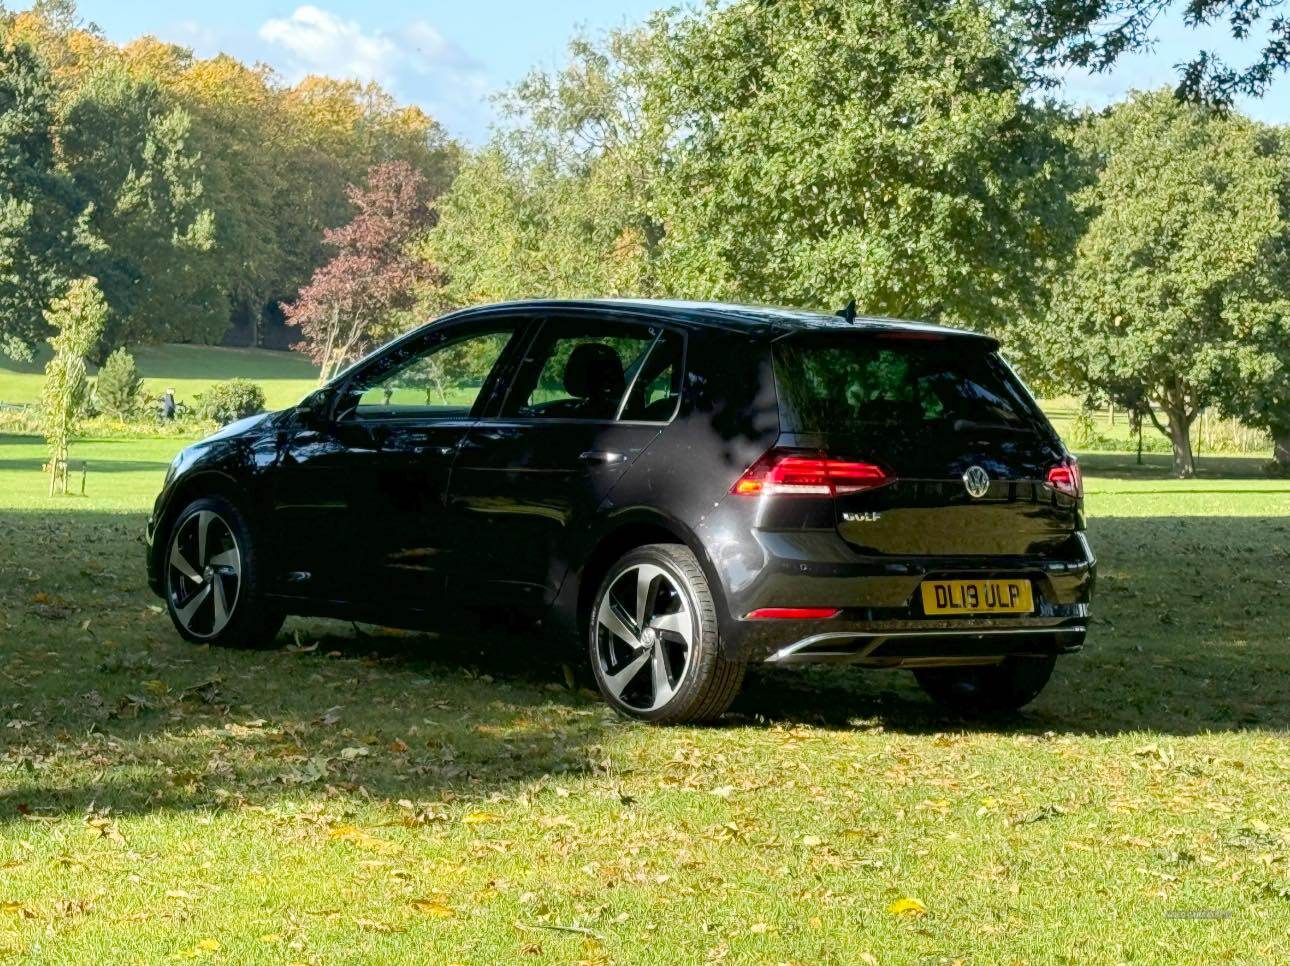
column 907, row 155
column 804, row 152
column 195, row 192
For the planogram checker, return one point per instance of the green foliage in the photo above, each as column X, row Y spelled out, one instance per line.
column 802, row 153
column 78, row 319
column 1095, row 34
column 1177, row 297
column 118, row 390
column 1083, row 431
column 226, row 402
column 127, row 147
column 37, row 200
column 195, row 190
column 888, row 152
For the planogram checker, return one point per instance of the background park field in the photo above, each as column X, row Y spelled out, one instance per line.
column 359, row 793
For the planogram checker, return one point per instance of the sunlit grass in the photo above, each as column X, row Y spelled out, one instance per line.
column 285, row 377
column 370, row 796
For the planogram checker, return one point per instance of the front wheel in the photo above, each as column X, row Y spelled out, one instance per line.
column 655, row 648
column 213, row 580
column 988, row 690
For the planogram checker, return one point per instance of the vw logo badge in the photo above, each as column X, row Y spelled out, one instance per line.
column 977, row 482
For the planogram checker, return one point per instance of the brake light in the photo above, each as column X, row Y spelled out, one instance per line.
column 797, row 474
column 794, row 613
column 1065, row 478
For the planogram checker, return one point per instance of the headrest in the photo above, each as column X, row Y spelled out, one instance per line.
column 594, row 371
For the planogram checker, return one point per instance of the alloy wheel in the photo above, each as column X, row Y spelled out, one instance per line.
column 644, row 637
column 204, row 573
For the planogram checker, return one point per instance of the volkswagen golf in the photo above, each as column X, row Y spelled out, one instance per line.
column 683, row 488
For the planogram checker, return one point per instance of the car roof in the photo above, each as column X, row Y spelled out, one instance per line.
column 771, row 321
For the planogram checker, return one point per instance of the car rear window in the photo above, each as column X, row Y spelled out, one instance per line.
column 855, row 383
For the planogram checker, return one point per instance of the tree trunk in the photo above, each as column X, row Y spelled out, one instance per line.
column 1281, row 451
column 1180, row 436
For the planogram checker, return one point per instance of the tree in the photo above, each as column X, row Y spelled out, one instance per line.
column 559, row 202
column 78, row 319
column 825, row 150
column 37, row 201
column 355, row 298
column 1258, row 391
column 1097, row 33
column 127, row 147
column 119, row 386
column 1179, row 284
column 203, row 187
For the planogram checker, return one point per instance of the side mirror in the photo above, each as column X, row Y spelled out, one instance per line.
column 314, row 410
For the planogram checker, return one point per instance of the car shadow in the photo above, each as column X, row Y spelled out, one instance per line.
column 1189, row 637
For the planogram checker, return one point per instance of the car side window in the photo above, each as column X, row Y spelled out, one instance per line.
column 439, row 380
column 656, row 391
column 580, row 369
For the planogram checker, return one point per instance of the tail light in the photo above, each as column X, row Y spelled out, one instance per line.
column 1065, row 478
column 808, row 474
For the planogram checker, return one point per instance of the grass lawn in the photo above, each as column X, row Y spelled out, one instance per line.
column 284, row 376
column 363, row 795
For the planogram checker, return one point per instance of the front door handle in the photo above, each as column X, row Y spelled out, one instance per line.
column 600, row 457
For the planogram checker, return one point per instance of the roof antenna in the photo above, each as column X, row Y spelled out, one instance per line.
column 848, row 313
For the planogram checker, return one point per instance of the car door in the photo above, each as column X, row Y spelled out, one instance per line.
column 361, row 497
column 589, row 395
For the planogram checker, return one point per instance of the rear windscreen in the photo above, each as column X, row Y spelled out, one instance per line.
column 855, row 383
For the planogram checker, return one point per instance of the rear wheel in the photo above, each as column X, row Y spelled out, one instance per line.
column 994, row 689
column 213, row 581
column 655, row 650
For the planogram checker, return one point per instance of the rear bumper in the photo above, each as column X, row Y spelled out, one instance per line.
column 909, row 645
column 881, row 621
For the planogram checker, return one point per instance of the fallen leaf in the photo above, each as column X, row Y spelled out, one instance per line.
column 907, row 907
column 433, row 908
column 479, row 818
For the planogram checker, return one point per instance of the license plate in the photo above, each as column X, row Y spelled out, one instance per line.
column 977, row 597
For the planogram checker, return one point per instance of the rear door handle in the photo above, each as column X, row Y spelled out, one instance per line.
column 600, row 457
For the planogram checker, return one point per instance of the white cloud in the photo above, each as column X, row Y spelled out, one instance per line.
column 414, row 62
column 320, row 41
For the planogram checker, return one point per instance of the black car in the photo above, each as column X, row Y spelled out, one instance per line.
column 685, row 487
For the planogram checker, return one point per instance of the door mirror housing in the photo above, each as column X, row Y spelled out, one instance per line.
column 314, row 410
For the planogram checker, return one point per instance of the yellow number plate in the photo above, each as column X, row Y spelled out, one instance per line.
column 977, row 597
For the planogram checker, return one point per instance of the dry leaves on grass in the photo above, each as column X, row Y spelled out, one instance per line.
column 436, row 907
column 907, row 906
column 97, row 820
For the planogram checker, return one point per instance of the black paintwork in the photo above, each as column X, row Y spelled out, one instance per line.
column 412, row 522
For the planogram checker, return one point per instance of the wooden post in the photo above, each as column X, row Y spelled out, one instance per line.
column 85, row 469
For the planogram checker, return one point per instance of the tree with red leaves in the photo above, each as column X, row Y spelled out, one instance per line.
column 352, row 299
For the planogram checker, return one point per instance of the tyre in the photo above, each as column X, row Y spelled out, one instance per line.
column 988, row 690
column 655, row 648
column 213, row 584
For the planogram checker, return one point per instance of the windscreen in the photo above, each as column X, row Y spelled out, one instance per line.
column 857, row 384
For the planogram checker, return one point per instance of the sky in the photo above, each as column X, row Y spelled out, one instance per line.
column 450, row 56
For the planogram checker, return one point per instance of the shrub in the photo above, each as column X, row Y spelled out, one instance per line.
column 226, row 402
column 1083, row 433
column 119, row 388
